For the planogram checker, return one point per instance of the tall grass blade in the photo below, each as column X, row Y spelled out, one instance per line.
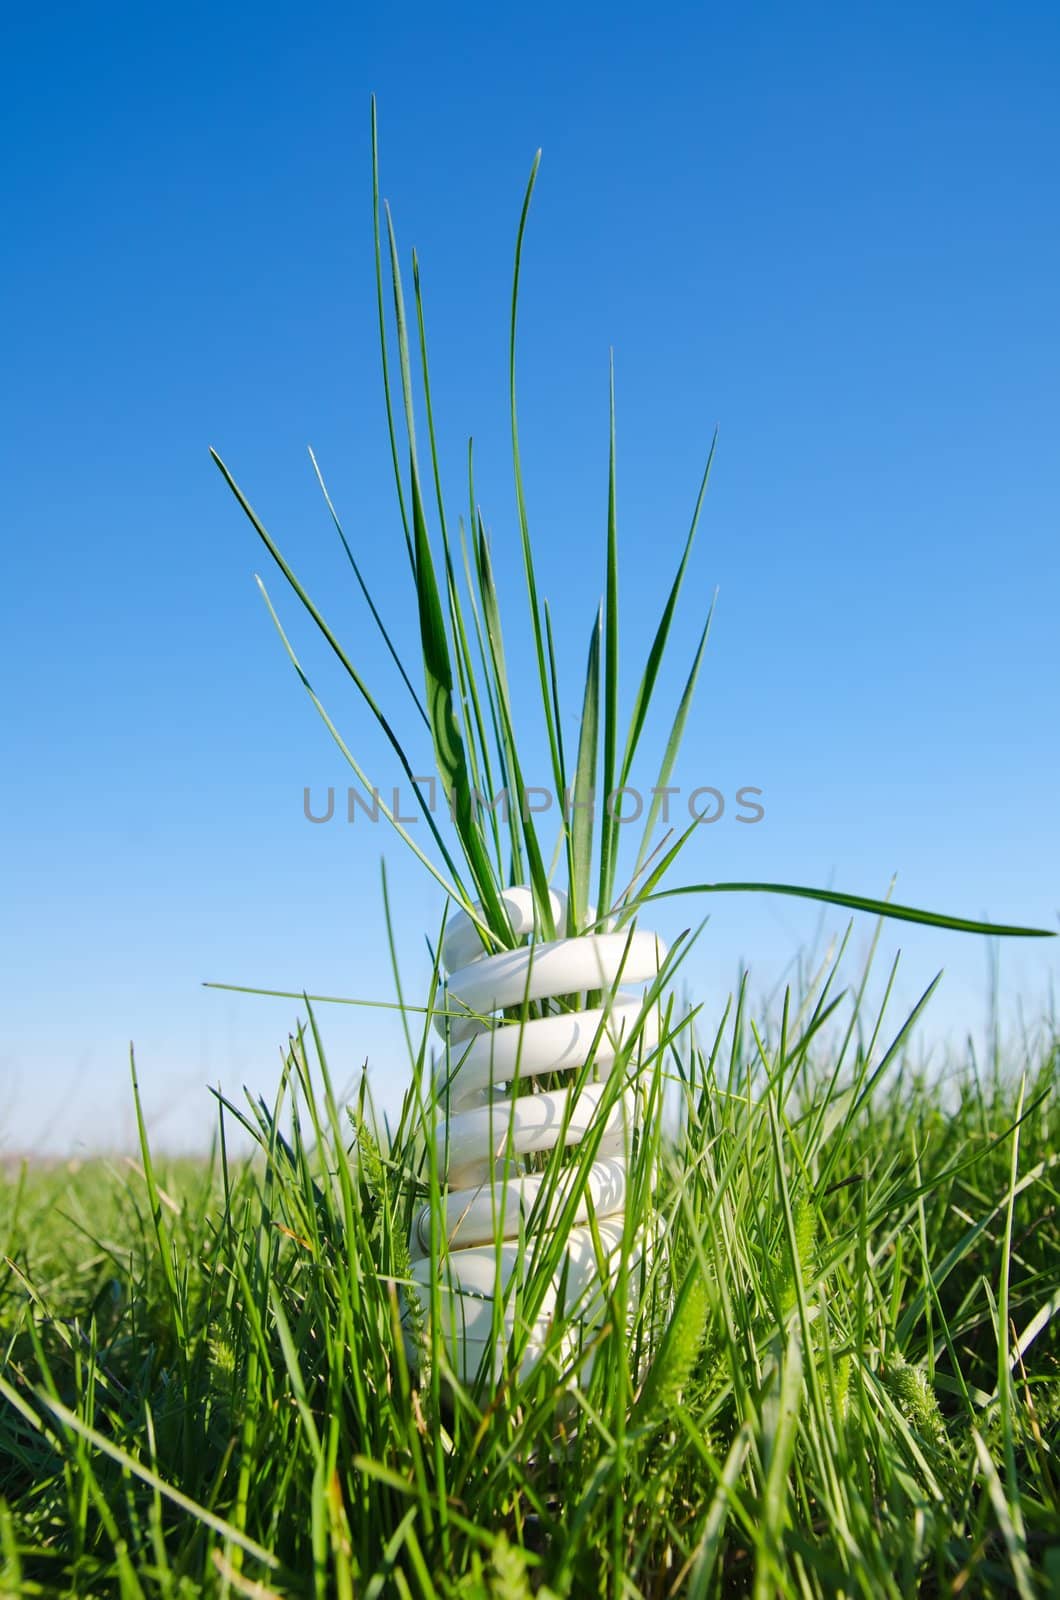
column 580, row 827
column 856, row 902
column 646, row 687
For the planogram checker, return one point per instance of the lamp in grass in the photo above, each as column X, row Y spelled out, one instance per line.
column 536, row 1192
column 543, row 1098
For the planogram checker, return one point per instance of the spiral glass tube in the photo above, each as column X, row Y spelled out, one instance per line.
column 492, row 1212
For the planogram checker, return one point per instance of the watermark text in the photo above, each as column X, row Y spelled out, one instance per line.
column 667, row 803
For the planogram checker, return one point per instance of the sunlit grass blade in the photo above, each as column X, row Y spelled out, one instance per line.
column 449, row 748
column 484, row 678
column 383, row 340
column 486, row 615
column 646, row 687
column 521, row 822
column 855, row 902
column 476, row 743
column 670, row 753
column 520, row 494
column 553, row 684
column 493, row 642
column 376, row 618
column 580, row 827
column 610, row 810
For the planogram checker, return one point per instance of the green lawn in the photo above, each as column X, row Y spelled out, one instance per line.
column 839, row 1376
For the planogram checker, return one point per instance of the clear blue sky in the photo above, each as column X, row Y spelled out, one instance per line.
column 831, row 230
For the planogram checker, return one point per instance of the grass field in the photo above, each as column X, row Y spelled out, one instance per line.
column 839, row 1377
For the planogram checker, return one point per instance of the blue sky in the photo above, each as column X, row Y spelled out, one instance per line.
column 830, row 230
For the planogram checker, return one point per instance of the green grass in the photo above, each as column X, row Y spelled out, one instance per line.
column 841, row 1376
column 832, row 1370
column 466, row 706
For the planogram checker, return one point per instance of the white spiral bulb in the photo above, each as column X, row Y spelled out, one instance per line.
column 484, row 1128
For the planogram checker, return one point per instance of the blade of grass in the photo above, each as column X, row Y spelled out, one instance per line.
column 673, row 745
column 646, row 687
column 609, row 822
column 855, row 902
column 520, row 500
column 449, row 750
column 377, row 619
column 580, row 825
column 383, row 340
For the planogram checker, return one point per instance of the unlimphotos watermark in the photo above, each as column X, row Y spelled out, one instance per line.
column 705, row 803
